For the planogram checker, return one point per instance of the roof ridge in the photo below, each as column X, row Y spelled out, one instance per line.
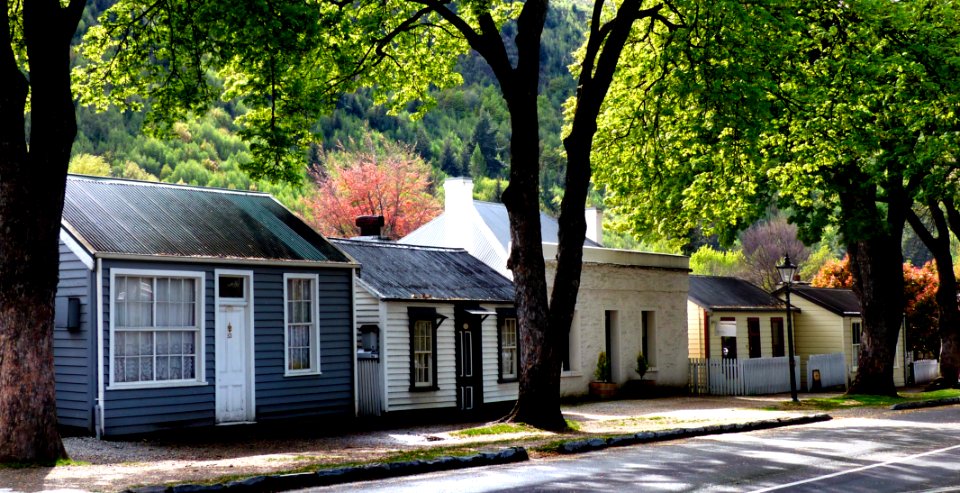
column 393, row 244
column 127, row 181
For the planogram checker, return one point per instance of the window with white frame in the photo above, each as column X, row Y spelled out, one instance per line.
column 423, row 347
column 509, row 356
column 156, row 321
column 423, row 353
column 301, row 330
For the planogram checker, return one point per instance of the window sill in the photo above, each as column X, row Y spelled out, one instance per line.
column 154, row 385
column 570, row 374
column 424, row 389
column 508, row 380
column 310, row 373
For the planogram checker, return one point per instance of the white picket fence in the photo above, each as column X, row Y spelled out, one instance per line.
column 832, row 367
column 925, row 370
column 740, row 376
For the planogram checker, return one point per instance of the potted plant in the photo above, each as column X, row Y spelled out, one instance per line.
column 642, row 365
column 602, row 387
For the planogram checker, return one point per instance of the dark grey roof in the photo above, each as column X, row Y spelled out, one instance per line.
column 730, row 294
column 496, row 218
column 836, row 300
column 409, row 272
column 152, row 219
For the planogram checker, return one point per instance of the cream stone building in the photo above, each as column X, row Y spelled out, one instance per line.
column 629, row 302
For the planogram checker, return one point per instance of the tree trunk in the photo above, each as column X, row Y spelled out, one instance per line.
column 948, row 326
column 32, row 183
column 878, row 282
column 538, row 401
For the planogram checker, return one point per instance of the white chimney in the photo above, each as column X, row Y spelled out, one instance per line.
column 594, row 219
column 458, row 195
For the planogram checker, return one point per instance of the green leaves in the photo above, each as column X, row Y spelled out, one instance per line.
column 795, row 102
column 286, row 60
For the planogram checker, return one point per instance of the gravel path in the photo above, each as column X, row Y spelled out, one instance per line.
column 116, row 465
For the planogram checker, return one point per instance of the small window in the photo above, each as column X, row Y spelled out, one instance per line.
column 753, row 337
column 570, row 349
column 776, row 336
column 648, row 337
column 728, row 347
column 423, row 348
column 508, row 332
column 302, row 333
column 855, row 330
column 727, row 327
column 231, row 287
column 423, row 353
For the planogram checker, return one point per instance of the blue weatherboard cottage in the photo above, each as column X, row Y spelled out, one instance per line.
column 184, row 306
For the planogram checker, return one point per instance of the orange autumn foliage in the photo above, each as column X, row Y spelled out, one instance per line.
column 394, row 184
column 919, row 290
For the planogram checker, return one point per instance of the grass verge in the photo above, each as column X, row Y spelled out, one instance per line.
column 855, row 401
column 495, row 429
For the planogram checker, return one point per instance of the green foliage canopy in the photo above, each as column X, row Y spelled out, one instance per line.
column 804, row 103
column 287, row 62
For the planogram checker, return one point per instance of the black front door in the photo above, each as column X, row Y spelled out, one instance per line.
column 469, row 361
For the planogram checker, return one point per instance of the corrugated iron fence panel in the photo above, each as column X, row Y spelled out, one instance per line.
column 369, row 387
column 833, row 369
column 925, row 370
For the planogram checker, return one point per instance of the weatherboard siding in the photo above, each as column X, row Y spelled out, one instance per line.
column 695, row 342
column 144, row 410
column 74, row 351
column 493, row 390
column 397, row 347
column 330, row 392
column 131, row 411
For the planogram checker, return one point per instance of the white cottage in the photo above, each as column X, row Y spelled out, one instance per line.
column 437, row 329
column 629, row 302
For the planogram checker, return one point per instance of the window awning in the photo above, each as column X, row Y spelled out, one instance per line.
column 480, row 311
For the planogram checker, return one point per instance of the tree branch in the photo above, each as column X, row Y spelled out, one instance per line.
column 921, row 229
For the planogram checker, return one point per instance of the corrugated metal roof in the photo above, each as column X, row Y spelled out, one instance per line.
column 729, row 294
column 496, row 218
column 151, row 219
column 839, row 301
column 410, row 272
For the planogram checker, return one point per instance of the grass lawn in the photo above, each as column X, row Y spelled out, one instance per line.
column 851, row 401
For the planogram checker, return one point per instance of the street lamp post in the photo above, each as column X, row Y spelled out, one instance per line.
column 787, row 270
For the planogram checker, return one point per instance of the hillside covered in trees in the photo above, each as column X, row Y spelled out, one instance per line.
column 465, row 133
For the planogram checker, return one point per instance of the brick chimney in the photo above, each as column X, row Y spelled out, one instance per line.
column 370, row 226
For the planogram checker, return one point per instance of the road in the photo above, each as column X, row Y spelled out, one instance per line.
column 904, row 452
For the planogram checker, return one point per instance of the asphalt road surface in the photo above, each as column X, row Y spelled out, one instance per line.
column 917, row 451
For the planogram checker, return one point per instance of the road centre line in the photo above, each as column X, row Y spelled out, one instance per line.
column 858, row 469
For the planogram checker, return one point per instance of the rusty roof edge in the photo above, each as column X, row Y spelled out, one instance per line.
column 64, row 224
column 353, row 264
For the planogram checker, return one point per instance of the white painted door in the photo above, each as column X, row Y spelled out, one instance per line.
column 232, row 364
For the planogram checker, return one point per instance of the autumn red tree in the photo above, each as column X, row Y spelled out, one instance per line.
column 919, row 291
column 393, row 183
column 834, row 274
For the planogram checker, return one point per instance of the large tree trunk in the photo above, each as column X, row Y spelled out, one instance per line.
column 878, row 282
column 538, row 401
column 32, row 183
column 947, row 308
column 876, row 261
